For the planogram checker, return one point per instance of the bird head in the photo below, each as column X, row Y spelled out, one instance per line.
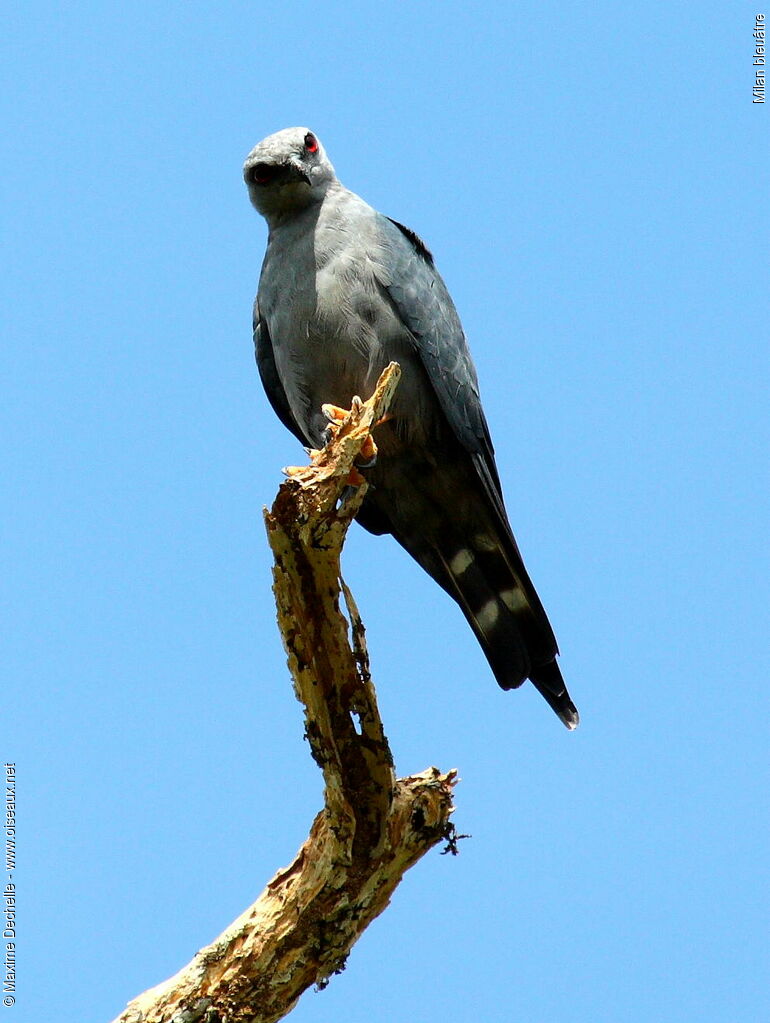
column 286, row 172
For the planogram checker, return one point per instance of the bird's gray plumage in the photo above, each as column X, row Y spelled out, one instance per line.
column 344, row 291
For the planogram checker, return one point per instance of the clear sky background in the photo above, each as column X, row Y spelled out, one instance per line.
column 592, row 180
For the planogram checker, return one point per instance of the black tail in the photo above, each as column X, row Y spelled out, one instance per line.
column 549, row 683
column 504, row 611
column 461, row 537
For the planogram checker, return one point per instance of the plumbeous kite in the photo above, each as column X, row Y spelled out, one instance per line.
column 344, row 291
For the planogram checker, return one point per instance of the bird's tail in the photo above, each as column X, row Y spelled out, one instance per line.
column 462, row 538
column 491, row 585
column 549, row 683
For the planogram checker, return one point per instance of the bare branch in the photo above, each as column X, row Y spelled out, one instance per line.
column 373, row 827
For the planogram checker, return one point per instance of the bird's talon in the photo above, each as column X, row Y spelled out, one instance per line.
column 335, row 414
column 355, row 480
column 368, row 455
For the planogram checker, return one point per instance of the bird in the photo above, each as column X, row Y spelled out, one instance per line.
column 343, row 291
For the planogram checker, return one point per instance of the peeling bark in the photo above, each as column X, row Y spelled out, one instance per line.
column 373, row 827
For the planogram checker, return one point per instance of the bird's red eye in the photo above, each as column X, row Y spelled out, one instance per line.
column 311, row 143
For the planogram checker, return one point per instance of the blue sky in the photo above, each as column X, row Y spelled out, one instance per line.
column 592, row 180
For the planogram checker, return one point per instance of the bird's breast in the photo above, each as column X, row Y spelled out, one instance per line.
column 331, row 328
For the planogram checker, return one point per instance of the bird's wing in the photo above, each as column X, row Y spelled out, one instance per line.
column 421, row 300
column 268, row 374
column 419, row 296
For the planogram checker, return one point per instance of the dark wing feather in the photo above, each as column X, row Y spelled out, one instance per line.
column 268, row 374
column 416, row 291
column 424, row 305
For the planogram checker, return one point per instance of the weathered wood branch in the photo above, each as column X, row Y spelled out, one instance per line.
column 373, row 827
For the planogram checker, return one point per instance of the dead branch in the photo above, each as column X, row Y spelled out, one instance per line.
column 373, row 827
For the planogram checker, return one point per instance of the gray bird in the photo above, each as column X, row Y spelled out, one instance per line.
column 344, row 291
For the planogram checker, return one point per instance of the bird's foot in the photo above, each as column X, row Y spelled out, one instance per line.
column 336, row 417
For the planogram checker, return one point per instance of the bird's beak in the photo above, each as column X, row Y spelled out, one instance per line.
column 290, row 173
